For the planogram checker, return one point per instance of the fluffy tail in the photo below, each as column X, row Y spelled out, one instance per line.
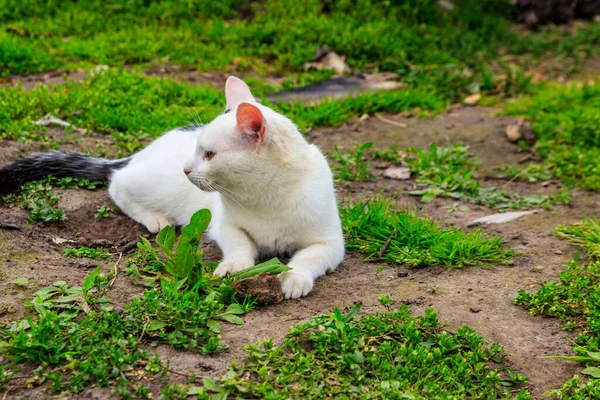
column 58, row 164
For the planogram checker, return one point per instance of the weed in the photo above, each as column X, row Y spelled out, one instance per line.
column 450, row 172
column 41, row 200
column 375, row 356
column 585, row 234
column 565, row 120
column 415, row 240
column 393, row 155
column 96, row 254
column 531, row 173
column 103, row 211
column 105, row 346
column 352, row 165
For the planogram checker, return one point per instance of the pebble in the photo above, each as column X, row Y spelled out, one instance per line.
column 402, row 274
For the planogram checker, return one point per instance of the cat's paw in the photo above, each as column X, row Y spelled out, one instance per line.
column 233, row 265
column 155, row 223
column 296, row 283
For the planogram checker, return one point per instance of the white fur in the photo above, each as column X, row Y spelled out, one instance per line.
column 269, row 196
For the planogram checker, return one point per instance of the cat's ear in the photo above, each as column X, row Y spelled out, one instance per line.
column 251, row 122
column 237, row 92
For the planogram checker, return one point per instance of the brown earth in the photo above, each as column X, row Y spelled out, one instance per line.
column 478, row 297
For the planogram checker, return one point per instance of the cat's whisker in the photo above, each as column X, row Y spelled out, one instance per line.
column 230, row 191
column 211, row 185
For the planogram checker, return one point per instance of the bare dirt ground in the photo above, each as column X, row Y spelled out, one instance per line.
column 478, row 297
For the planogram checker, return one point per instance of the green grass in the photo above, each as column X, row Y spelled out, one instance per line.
column 131, row 107
column 41, row 199
column 388, row 355
column 76, row 338
column 575, row 299
column 450, row 172
column 86, row 252
column 566, row 120
column 415, row 240
column 352, row 165
column 585, row 234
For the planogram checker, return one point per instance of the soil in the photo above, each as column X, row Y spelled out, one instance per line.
column 478, row 297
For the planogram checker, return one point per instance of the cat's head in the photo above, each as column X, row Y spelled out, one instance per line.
column 246, row 148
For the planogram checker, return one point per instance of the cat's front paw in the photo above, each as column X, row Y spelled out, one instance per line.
column 233, row 265
column 296, row 283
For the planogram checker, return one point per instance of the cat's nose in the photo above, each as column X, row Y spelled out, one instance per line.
column 186, row 170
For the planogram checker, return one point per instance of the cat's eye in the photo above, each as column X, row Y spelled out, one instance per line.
column 208, row 155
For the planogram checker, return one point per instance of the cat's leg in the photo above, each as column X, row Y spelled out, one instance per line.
column 120, row 190
column 307, row 265
column 239, row 252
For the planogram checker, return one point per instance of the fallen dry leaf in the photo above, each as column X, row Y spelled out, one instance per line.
column 513, row 132
column 472, row 99
column 501, row 218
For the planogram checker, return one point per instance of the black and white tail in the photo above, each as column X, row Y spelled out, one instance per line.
column 58, row 164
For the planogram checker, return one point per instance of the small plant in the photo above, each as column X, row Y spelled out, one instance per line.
column 96, row 254
column 585, row 234
column 371, row 357
column 39, row 198
column 575, row 300
column 381, row 231
column 531, row 173
column 393, row 155
column 352, row 165
column 103, row 211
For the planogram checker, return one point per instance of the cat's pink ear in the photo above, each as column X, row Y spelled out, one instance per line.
column 237, row 92
column 251, row 121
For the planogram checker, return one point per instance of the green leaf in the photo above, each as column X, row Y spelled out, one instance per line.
column 198, row 224
column 21, row 281
column 184, row 260
column 352, row 312
column 166, row 239
column 196, row 390
column 592, row 371
column 594, row 355
column 213, row 325
column 232, row 319
column 155, row 325
column 211, row 385
column 234, row 309
column 89, row 280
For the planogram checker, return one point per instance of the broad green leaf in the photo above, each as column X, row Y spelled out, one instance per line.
column 213, row 325
column 353, row 312
column 594, row 355
column 234, row 309
column 210, row 384
column 21, row 281
column 232, row 319
column 89, row 280
column 184, row 260
column 196, row 390
column 166, row 239
column 592, row 371
column 198, row 224
column 155, row 325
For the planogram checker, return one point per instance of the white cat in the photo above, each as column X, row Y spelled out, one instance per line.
column 270, row 192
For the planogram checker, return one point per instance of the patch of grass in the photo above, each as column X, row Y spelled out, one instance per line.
column 352, row 165
column 132, row 107
column 531, row 173
column 41, row 201
column 575, row 300
column 104, row 211
column 377, row 229
column 450, row 172
column 585, row 234
column 388, row 355
column 566, row 120
column 105, row 345
column 575, row 389
column 87, row 252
